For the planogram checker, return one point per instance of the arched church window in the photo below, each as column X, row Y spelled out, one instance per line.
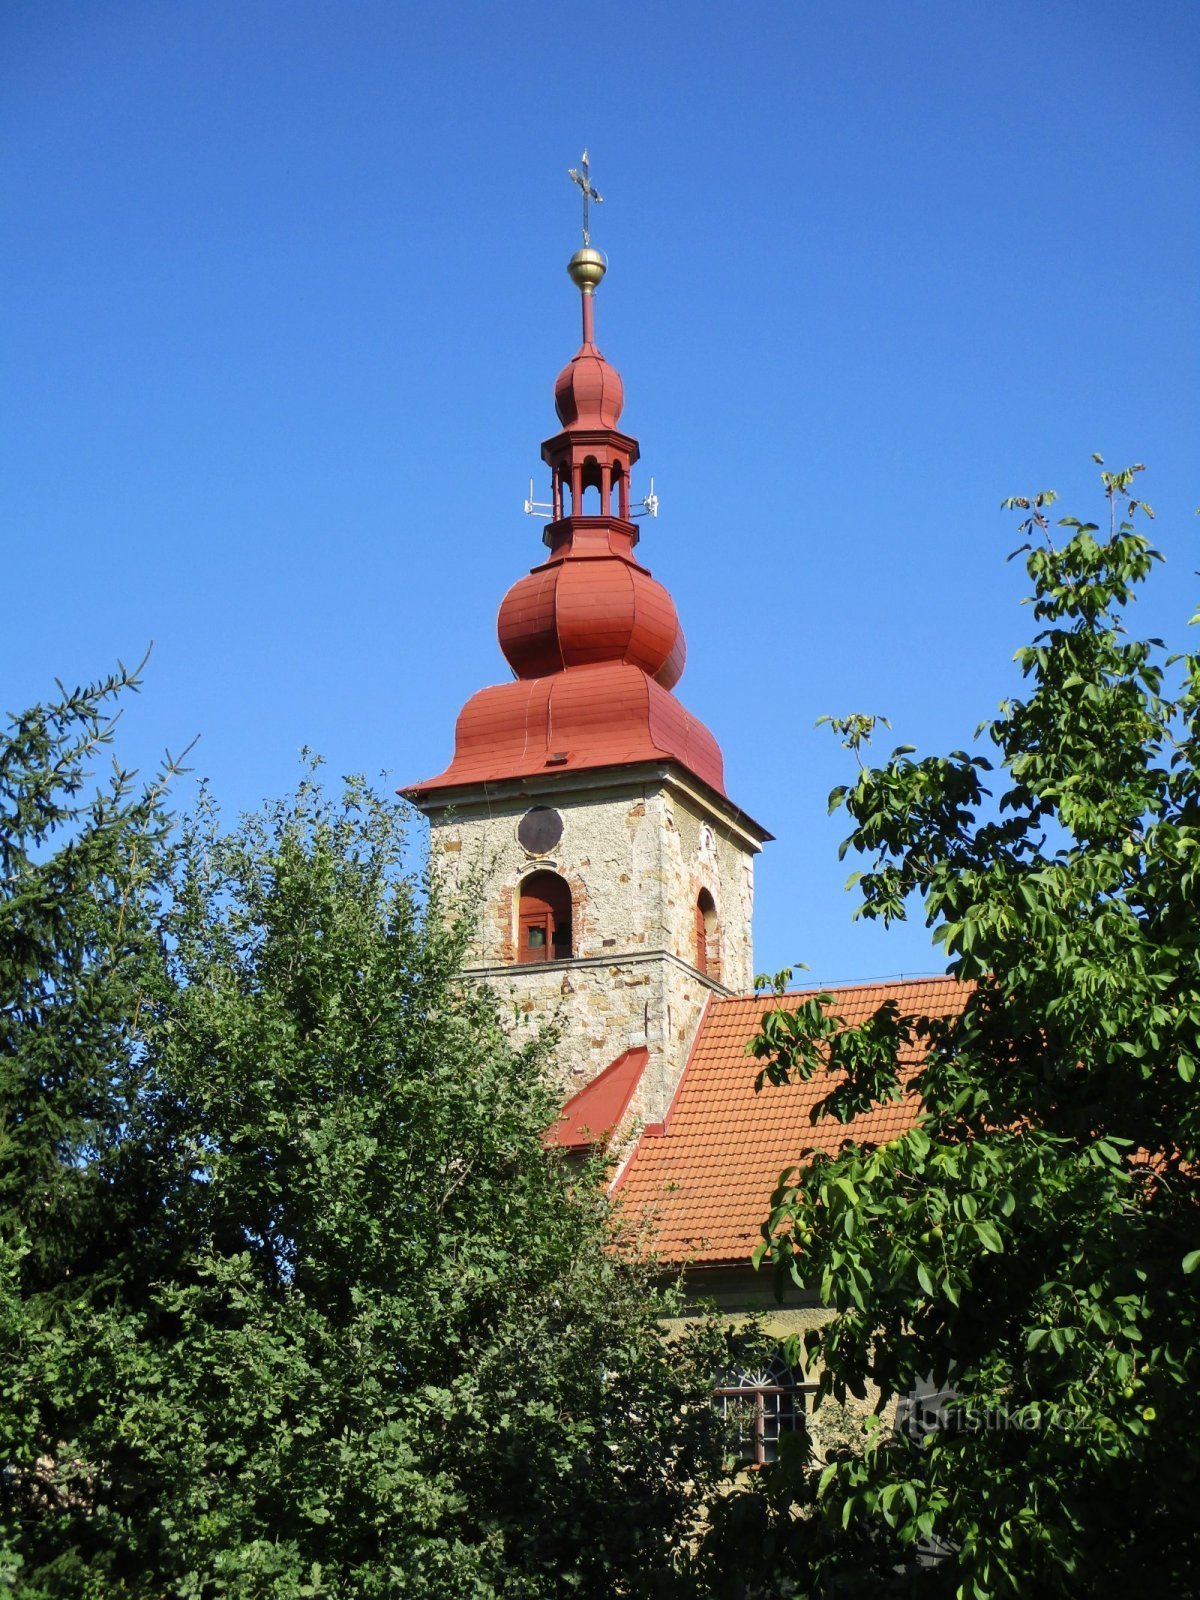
column 708, row 936
column 544, row 919
column 761, row 1402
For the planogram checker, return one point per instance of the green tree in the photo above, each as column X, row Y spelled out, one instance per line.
column 327, row 1320
column 79, row 956
column 1032, row 1244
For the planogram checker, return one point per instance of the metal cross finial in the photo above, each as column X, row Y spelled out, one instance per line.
column 589, row 193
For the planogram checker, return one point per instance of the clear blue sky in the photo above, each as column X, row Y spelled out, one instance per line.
column 285, row 300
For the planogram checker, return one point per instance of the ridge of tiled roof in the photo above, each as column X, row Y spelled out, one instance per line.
column 703, row 1183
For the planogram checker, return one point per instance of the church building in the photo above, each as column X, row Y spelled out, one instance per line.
column 586, row 808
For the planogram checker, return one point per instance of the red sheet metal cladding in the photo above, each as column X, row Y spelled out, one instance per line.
column 611, row 714
column 588, row 392
column 590, row 1116
column 527, row 627
column 672, row 669
column 594, row 639
column 576, row 612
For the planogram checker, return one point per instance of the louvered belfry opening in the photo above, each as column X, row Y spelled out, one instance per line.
column 544, row 932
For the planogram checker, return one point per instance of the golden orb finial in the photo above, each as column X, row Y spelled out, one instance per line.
column 587, row 267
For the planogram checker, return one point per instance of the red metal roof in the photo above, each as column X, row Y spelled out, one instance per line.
column 581, row 608
column 705, row 1182
column 607, row 715
column 588, row 392
column 593, row 638
column 589, row 1117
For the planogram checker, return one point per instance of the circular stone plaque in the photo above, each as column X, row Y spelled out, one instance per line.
column 539, row 830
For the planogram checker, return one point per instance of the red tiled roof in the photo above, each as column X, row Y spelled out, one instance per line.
column 591, row 1115
column 705, row 1182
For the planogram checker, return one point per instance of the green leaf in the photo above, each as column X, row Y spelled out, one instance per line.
column 989, row 1236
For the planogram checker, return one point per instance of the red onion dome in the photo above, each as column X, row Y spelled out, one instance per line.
column 588, row 393
column 581, row 611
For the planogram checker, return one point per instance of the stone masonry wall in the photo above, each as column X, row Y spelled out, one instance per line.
column 699, row 854
column 636, row 857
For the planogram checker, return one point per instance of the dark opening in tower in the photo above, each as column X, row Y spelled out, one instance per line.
column 708, row 936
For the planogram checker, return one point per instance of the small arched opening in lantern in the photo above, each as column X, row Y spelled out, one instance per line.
column 590, row 501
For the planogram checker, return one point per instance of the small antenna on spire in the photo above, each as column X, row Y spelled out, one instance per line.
column 589, row 193
column 647, row 506
column 540, row 508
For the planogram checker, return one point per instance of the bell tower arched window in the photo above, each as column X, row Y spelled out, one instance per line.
column 708, row 936
column 544, row 919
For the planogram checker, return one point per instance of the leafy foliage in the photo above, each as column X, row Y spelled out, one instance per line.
column 295, row 1303
column 1028, row 1252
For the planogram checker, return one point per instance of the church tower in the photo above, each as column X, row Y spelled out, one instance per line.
column 585, row 803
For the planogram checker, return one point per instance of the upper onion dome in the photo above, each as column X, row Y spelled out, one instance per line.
column 588, row 393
